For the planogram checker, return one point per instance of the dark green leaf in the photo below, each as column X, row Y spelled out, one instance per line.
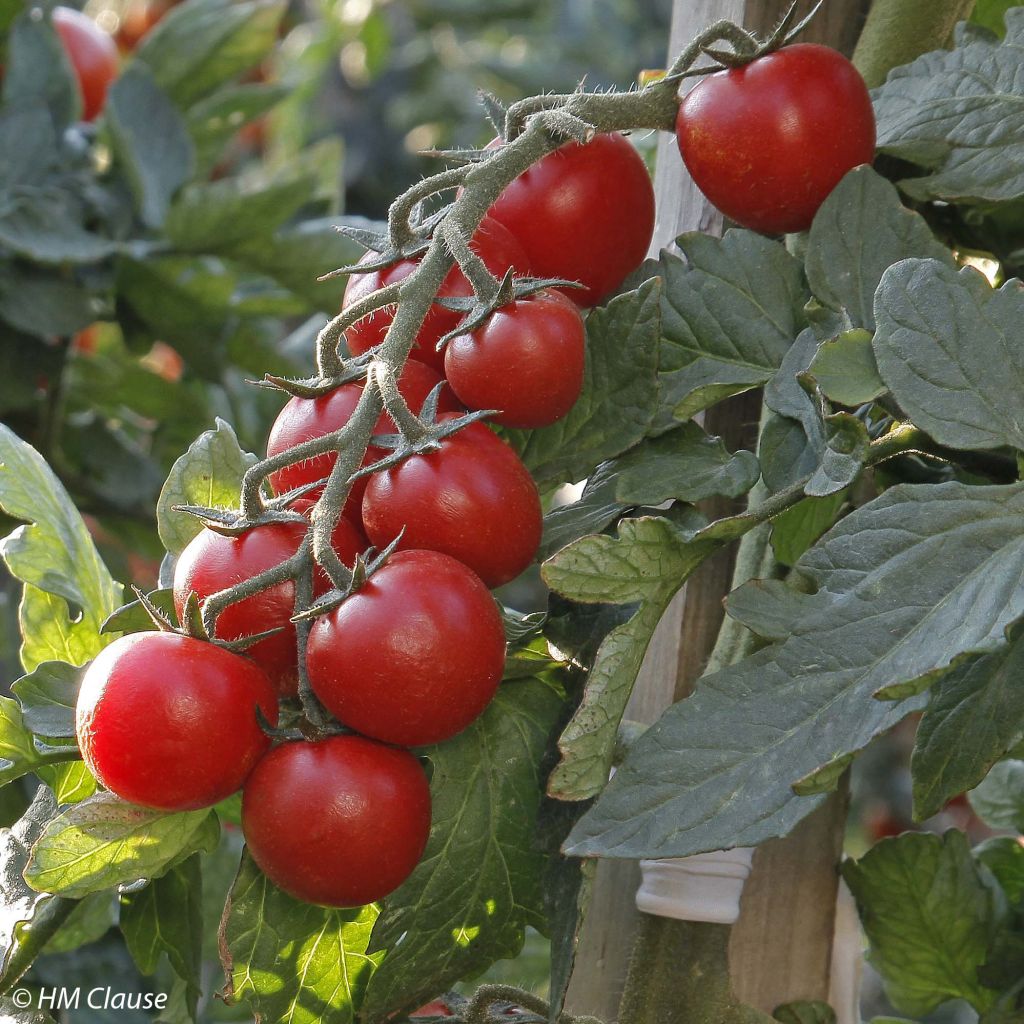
column 214, row 216
column 28, row 142
column 844, row 368
column 18, row 754
column 929, row 914
column 213, row 122
column 799, row 527
column 103, row 842
column 945, row 348
column 958, row 113
column 55, row 557
column 166, row 917
column 729, row 314
column 478, row 885
column 291, row 961
column 199, row 46
column 768, row 608
column 619, row 393
column 208, row 474
column 974, row 716
column 47, row 696
column 1004, row 857
column 44, row 225
column 903, row 586
column 861, row 229
column 846, row 449
column 18, row 901
column 133, row 617
column 999, row 798
column 39, row 72
column 990, row 14
column 91, row 919
column 150, row 140
column 647, row 563
column 44, row 304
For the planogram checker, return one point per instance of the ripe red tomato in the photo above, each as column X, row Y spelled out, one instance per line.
column 305, row 418
column 93, row 56
column 527, row 360
column 169, row 722
column 473, row 499
column 432, row 1009
column 492, row 243
column 767, row 142
column 340, row 822
column 414, row 655
column 584, row 213
column 212, row 562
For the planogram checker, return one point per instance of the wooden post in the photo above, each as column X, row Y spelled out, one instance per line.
column 781, row 947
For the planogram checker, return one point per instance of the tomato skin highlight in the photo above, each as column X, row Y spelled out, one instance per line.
column 302, row 419
column 473, row 499
column 496, row 246
column 583, row 213
column 93, row 56
column 767, row 142
column 527, row 360
column 340, row 822
column 169, row 722
column 414, row 655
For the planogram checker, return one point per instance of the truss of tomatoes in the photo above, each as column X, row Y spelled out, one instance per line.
column 415, row 654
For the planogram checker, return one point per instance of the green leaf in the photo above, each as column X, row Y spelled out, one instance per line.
column 68, row 590
column 150, row 140
column 91, row 919
column 45, row 226
column 903, row 586
column 647, row 563
column 799, row 527
column 214, row 216
column 974, row 716
column 990, row 14
column 38, row 71
column 18, row 754
column 999, row 798
column 18, row 901
column 199, row 46
column 811, row 1012
column 945, row 348
column 28, row 142
column 769, row 608
column 208, row 474
column 133, row 617
column 958, row 114
column 166, row 917
column 479, row 883
column 47, row 696
column 103, row 842
column 71, row 782
column 291, row 961
column 844, row 368
column 1004, row 857
column 929, row 913
column 730, row 311
column 44, row 304
column 860, row 230
column 619, row 395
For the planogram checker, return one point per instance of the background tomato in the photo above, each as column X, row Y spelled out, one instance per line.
column 364, row 810
column 527, row 360
column 169, row 722
column 584, row 213
column 414, row 655
column 492, row 243
column 304, row 418
column 473, row 499
column 767, row 142
column 93, row 55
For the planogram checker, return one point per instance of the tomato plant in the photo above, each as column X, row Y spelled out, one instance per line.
column 527, row 362
column 440, row 764
column 414, row 656
column 367, row 808
column 169, row 722
column 93, row 56
column 472, row 499
column 767, row 142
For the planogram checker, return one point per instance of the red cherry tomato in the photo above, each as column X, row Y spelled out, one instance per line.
column 305, row 418
column 473, row 499
column 527, row 360
column 212, row 562
column 169, row 722
column 341, row 822
column 584, row 213
column 93, row 55
column 767, row 142
column 492, row 243
column 414, row 655
column 433, row 1009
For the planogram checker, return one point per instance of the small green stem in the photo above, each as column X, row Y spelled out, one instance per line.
column 37, row 933
column 899, row 31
